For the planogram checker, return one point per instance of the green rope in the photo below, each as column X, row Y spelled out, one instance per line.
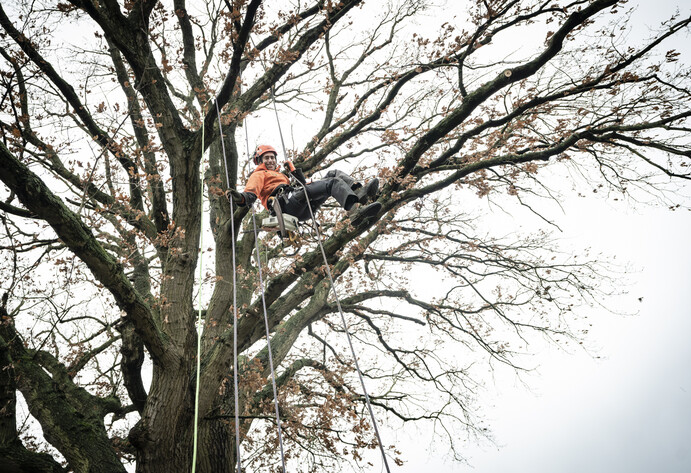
column 199, row 315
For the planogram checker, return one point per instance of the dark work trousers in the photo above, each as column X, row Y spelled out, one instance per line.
column 337, row 184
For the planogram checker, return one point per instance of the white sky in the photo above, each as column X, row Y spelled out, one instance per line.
column 630, row 410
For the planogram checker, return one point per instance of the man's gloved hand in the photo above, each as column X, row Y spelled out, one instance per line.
column 237, row 197
column 289, row 166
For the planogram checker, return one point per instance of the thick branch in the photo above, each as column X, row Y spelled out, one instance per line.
column 189, row 59
column 70, row 417
column 480, row 95
column 39, row 199
column 73, row 99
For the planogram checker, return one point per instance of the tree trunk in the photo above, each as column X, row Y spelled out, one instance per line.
column 165, row 442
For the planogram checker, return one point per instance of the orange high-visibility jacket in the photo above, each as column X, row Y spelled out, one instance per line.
column 263, row 182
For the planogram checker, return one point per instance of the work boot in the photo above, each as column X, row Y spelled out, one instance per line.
column 368, row 191
column 360, row 214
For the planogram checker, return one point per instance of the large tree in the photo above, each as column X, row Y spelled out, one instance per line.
column 114, row 168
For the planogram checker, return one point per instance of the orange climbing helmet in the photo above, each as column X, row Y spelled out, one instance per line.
column 261, row 151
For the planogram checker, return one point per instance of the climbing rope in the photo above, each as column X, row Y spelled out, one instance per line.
column 266, row 318
column 235, row 305
column 268, row 341
column 199, row 314
column 345, row 328
column 331, row 280
column 335, row 293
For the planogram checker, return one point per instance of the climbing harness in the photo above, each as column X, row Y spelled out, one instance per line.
column 285, row 224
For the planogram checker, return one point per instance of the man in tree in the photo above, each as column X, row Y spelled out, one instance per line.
column 267, row 182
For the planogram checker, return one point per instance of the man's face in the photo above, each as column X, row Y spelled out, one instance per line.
column 269, row 160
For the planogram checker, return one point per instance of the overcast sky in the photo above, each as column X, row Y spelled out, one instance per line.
column 627, row 411
column 630, row 410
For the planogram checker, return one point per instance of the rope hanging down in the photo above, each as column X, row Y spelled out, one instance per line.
column 199, row 314
column 335, row 293
column 347, row 332
column 331, row 280
column 268, row 341
column 235, row 305
column 266, row 319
